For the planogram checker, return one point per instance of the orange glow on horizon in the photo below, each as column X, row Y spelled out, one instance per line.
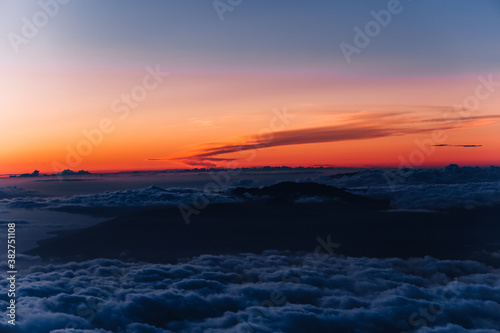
column 192, row 111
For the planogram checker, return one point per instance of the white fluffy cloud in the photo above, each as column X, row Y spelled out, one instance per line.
column 415, row 189
column 439, row 196
column 9, row 192
column 110, row 203
column 452, row 174
column 259, row 293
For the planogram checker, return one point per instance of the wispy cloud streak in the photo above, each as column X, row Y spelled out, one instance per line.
column 356, row 127
column 462, row 146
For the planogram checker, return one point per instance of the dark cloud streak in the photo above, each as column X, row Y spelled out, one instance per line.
column 462, row 146
column 323, row 134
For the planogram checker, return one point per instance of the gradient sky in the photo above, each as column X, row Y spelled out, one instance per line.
column 227, row 79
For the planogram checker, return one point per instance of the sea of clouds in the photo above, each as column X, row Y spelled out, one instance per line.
column 425, row 189
column 414, row 189
column 272, row 292
column 111, row 202
column 9, row 192
column 451, row 174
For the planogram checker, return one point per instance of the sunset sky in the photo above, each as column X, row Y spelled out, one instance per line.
column 399, row 98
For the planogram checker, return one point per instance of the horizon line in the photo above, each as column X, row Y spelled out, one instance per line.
column 326, row 166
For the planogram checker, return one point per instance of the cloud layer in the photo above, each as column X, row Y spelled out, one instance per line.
column 451, row 174
column 9, row 192
column 436, row 188
column 432, row 188
column 117, row 202
column 259, row 293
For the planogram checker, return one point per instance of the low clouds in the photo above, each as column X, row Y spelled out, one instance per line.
column 259, row 293
column 420, row 189
column 451, row 174
column 433, row 188
column 440, row 196
column 117, row 202
column 9, row 192
column 17, row 222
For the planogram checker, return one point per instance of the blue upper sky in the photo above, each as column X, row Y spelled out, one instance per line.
column 428, row 36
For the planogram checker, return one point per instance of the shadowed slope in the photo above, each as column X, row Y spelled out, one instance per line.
column 275, row 221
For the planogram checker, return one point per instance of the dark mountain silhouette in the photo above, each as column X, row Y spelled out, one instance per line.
column 292, row 191
column 366, row 229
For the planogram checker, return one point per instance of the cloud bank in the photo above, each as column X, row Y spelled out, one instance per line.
column 434, row 188
column 451, row 174
column 112, row 203
column 259, row 293
column 10, row 192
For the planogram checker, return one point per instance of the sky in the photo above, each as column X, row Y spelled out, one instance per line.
column 129, row 85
